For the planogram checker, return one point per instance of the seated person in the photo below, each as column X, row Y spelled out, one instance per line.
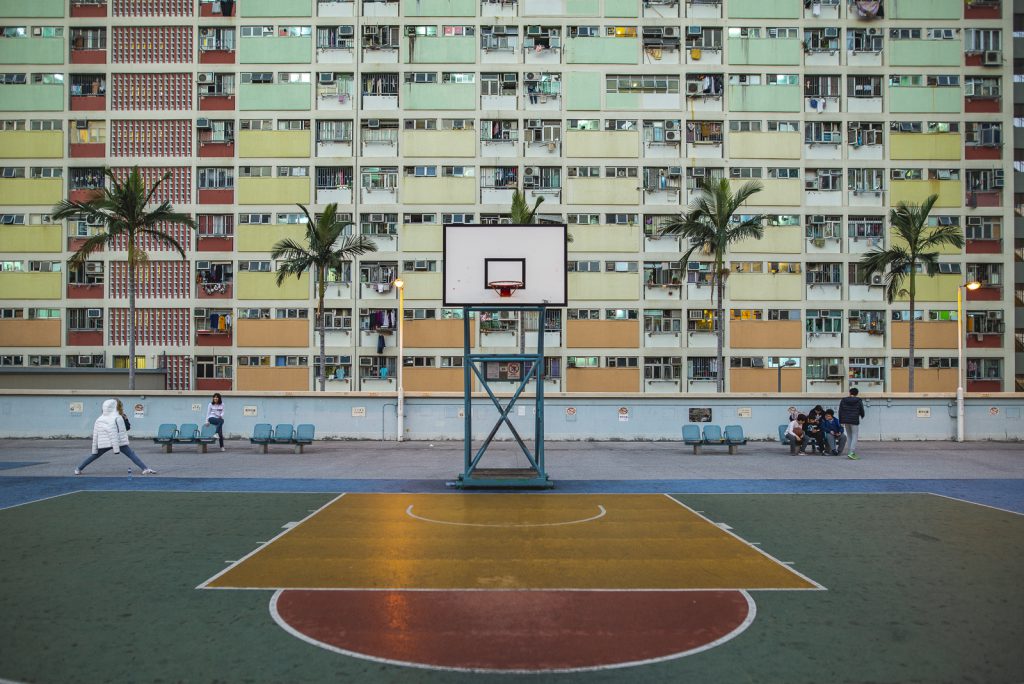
column 834, row 434
column 795, row 432
column 815, row 435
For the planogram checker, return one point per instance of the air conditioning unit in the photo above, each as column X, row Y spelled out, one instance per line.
column 506, row 125
column 834, row 371
column 84, row 359
column 757, row 363
column 533, row 30
column 671, row 136
column 94, row 313
column 410, row 31
column 376, row 218
column 534, row 123
column 675, row 171
column 530, row 171
column 530, row 76
column 992, row 58
column 370, row 31
column 694, row 30
column 326, row 77
column 832, row 32
column 203, row 123
column 698, row 172
column 82, row 124
column 345, row 31
column 203, row 265
column 205, row 77
column 672, row 125
column 373, row 123
column 876, row 280
column 872, row 31
column 694, row 88
column 94, row 267
column 670, row 32
column 509, row 78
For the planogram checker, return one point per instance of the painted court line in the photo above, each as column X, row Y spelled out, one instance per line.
column 751, row 545
column 45, row 498
column 600, row 508
column 975, row 503
column 260, row 548
column 751, row 615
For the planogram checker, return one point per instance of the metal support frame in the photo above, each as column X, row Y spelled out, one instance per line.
column 534, row 477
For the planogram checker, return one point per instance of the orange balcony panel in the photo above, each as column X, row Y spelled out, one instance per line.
column 82, row 195
column 986, row 198
column 766, row 334
column 88, row 56
column 983, row 105
column 85, row 338
column 253, row 379
column 927, row 335
column 983, row 11
column 209, row 338
column 212, row 291
column 217, row 103
column 216, row 149
column 213, row 384
column 216, row 244
column 217, row 57
column 985, row 341
column 435, row 334
column 985, row 293
column 979, row 152
column 274, row 333
column 432, row 379
column 615, row 380
column 763, row 380
column 975, row 246
column 22, row 333
column 88, row 103
column 81, row 150
column 985, row 385
column 85, row 291
column 216, row 197
column 925, row 380
column 603, row 334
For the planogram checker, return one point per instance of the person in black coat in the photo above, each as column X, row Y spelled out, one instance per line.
column 851, row 410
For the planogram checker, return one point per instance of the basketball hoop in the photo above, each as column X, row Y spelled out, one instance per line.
column 505, row 288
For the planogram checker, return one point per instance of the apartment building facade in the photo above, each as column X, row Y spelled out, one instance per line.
column 414, row 113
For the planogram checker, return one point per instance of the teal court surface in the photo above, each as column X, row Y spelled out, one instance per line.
column 198, row 575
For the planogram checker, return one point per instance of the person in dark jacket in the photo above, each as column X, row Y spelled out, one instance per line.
column 833, row 430
column 851, row 410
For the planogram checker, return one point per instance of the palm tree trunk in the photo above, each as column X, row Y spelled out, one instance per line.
column 321, row 293
column 131, row 318
column 719, row 314
column 910, row 341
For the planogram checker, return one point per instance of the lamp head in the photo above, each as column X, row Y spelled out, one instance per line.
column 973, row 285
column 399, row 283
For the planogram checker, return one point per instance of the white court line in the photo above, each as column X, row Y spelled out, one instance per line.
column 408, row 512
column 45, row 498
column 260, row 548
column 975, row 503
column 751, row 545
column 747, row 621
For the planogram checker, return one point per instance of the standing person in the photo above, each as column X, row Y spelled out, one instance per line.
column 109, row 432
column 851, row 410
column 215, row 416
column 833, row 430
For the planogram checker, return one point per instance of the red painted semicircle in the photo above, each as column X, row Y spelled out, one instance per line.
column 539, row 631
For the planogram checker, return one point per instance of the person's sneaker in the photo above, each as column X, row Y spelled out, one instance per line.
column 852, row 456
column 149, row 471
column 835, row 452
column 223, row 449
column 77, row 471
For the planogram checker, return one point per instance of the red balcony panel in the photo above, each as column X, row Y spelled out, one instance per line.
column 83, row 56
column 984, row 385
column 213, row 290
column 75, row 244
column 984, row 246
column 83, row 195
column 985, row 293
column 985, row 198
column 216, row 149
column 85, row 291
column 217, row 103
column 216, row 197
column 990, row 341
column 88, row 10
column 208, row 338
column 979, row 152
column 206, row 9
column 88, row 103
column 993, row 11
column 983, row 105
column 215, row 244
column 81, row 150
column 217, row 57
column 213, row 384
column 85, row 338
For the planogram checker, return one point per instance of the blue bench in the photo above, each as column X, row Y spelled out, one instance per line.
column 734, row 437
column 165, row 435
column 712, row 436
column 304, row 436
column 264, row 434
column 168, row 435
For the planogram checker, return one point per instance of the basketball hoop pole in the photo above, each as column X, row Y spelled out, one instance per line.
column 400, row 403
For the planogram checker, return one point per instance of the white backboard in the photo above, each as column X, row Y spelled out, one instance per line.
column 477, row 254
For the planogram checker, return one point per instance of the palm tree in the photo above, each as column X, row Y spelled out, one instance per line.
column 327, row 247
column 521, row 213
column 917, row 244
column 708, row 225
column 121, row 208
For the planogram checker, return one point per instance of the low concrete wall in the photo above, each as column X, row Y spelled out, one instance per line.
column 433, row 417
column 97, row 379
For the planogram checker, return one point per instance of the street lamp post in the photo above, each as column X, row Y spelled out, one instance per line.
column 972, row 285
column 788, row 364
column 400, row 407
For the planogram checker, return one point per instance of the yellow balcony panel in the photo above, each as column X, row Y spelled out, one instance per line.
column 764, row 380
column 432, row 379
column 750, row 145
column 940, row 146
column 598, row 286
column 937, row 288
column 443, row 191
column 762, row 334
column 287, row 190
column 422, row 285
column 15, row 285
column 32, row 144
column 270, row 379
column 262, row 238
column 31, row 191
column 442, row 334
column 272, row 333
column 441, row 144
column 273, row 144
column 617, row 380
column 762, row 287
column 420, row 237
column 256, row 286
column 779, row 192
column 39, row 238
column 777, row 240
column 950, row 192
column 925, row 379
column 927, row 335
column 604, row 144
column 603, row 191
column 602, row 334
column 604, row 238
column 900, row 242
column 22, row 333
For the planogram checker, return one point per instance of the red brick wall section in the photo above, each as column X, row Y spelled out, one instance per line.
column 161, row 327
column 150, row 92
column 183, row 234
column 179, row 372
column 156, row 280
column 177, row 189
column 152, row 45
column 148, row 138
column 152, row 8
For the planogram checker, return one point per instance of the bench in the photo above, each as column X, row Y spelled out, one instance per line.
column 168, row 434
column 784, row 439
column 264, row 434
column 304, row 436
column 165, row 435
column 712, row 436
column 734, row 437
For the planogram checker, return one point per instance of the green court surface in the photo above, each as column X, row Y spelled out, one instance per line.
column 102, row 586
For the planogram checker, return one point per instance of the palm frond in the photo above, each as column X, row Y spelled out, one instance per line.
column 942, row 236
column 165, row 238
column 92, row 244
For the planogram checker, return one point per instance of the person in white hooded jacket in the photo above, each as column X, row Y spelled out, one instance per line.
column 109, row 432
